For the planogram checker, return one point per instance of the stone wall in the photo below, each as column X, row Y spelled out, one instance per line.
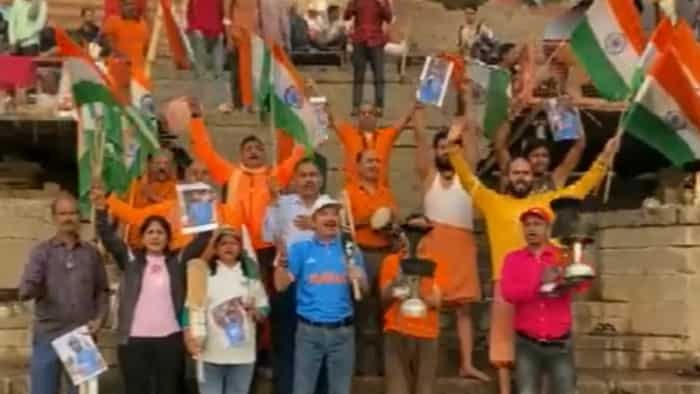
column 646, row 290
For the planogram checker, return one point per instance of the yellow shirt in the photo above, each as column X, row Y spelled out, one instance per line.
column 502, row 212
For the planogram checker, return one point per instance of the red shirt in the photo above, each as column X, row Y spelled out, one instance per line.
column 206, row 16
column 369, row 18
column 536, row 316
column 113, row 8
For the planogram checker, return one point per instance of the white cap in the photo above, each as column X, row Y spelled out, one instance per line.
column 324, row 201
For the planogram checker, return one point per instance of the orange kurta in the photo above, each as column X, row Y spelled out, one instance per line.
column 363, row 205
column 247, row 189
column 129, row 38
column 354, row 142
column 163, row 190
column 170, row 210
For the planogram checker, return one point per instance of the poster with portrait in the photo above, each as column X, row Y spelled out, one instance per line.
column 434, row 81
column 230, row 317
column 564, row 119
column 318, row 104
column 79, row 355
column 197, row 208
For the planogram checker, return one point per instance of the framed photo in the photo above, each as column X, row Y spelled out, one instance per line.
column 79, row 355
column 564, row 119
column 434, row 81
column 318, row 104
column 197, row 208
column 230, row 317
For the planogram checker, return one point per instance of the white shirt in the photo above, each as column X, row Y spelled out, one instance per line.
column 449, row 205
column 279, row 220
column 228, row 283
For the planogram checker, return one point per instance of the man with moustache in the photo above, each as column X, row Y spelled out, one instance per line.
column 368, row 135
column 542, row 321
column 368, row 196
column 449, row 208
column 324, row 280
column 66, row 279
column 502, row 212
column 288, row 221
column 157, row 186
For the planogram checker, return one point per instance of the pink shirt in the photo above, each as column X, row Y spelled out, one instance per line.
column 536, row 316
column 155, row 314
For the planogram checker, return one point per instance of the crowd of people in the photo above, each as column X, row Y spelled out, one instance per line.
column 278, row 287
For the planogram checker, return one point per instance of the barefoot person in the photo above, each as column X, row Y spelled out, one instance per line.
column 449, row 208
column 501, row 212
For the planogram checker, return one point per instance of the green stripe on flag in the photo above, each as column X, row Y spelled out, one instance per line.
column 603, row 74
column 85, row 92
column 497, row 101
column 647, row 127
column 287, row 120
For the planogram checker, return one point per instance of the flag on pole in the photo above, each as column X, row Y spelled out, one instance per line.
column 660, row 41
column 282, row 92
column 608, row 42
column 490, row 96
column 688, row 52
column 251, row 52
column 179, row 46
column 114, row 138
column 665, row 113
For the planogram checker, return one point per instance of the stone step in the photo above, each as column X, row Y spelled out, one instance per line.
column 14, row 381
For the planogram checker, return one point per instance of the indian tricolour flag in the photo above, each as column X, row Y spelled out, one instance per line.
column 608, row 42
column 490, row 96
column 283, row 88
column 660, row 41
column 114, row 138
column 688, row 52
column 666, row 111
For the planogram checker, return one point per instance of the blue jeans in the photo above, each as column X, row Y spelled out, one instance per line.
column 227, row 379
column 316, row 345
column 533, row 361
column 46, row 369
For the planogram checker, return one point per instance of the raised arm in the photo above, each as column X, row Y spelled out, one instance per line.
column 500, row 147
column 571, row 160
column 423, row 164
column 219, row 168
column 196, row 247
column 594, row 175
column 402, row 122
column 285, row 170
column 112, row 243
column 127, row 214
column 480, row 194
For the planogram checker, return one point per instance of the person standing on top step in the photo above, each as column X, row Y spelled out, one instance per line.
column 410, row 343
column 26, row 21
column 274, row 22
column 501, row 213
column 543, row 344
column 324, row 280
column 368, row 41
column 450, row 210
column 66, row 279
column 128, row 35
column 368, row 135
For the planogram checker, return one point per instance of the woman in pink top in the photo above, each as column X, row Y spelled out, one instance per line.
column 151, row 299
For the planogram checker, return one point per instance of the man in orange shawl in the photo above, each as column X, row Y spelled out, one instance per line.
column 155, row 187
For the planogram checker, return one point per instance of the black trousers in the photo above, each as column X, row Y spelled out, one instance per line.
column 361, row 54
column 153, row 365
